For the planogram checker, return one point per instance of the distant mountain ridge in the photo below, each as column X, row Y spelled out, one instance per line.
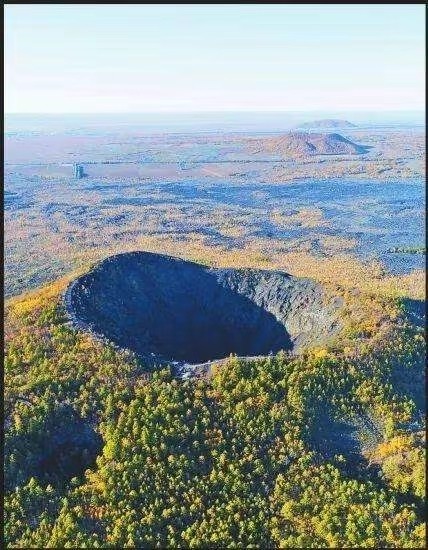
column 302, row 144
column 326, row 123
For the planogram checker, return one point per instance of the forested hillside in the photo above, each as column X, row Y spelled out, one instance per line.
column 320, row 450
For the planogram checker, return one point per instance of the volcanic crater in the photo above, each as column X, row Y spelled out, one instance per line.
column 167, row 310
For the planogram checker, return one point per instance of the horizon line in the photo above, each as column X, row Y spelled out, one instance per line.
column 421, row 110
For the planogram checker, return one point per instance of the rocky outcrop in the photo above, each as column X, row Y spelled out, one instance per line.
column 168, row 310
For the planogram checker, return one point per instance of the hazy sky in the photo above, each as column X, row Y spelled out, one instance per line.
column 125, row 58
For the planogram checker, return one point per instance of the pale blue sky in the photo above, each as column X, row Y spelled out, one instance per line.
column 138, row 58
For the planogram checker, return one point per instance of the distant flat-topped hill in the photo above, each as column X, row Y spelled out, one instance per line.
column 302, row 144
column 326, row 123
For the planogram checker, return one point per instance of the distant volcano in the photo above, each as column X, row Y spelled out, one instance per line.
column 302, row 144
column 326, row 123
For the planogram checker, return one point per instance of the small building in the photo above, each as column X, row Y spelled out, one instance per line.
column 78, row 171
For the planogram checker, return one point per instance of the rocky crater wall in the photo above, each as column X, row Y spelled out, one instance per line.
column 169, row 310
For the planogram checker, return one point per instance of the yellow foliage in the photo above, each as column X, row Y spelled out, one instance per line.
column 395, row 445
column 31, row 302
column 320, row 353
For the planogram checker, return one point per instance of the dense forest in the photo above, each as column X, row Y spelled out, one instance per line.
column 321, row 450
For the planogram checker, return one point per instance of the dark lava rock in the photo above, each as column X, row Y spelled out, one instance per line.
column 169, row 310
